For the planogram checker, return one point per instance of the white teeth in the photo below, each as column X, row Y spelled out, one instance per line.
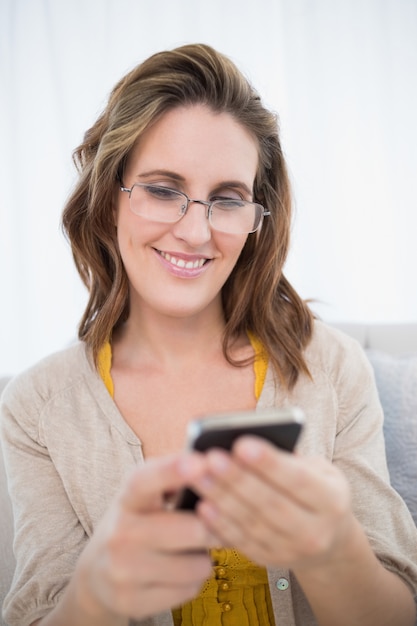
column 189, row 265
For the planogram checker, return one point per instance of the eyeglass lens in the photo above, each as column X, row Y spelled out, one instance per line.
column 161, row 204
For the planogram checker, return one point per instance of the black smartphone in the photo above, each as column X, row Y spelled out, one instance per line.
column 280, row 425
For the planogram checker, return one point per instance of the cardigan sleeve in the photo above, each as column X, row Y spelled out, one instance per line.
column 359, row 451
column 66, row 450
column 48, row 534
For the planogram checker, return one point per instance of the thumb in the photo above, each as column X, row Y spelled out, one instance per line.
column 147, row 487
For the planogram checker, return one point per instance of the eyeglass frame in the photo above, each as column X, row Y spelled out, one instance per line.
column 207, row 203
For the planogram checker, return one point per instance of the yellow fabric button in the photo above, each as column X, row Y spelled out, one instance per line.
column 226, row 606
column 221, row 572
column 225, row 586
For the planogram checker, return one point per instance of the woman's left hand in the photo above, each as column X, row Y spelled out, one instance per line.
column 279, row 508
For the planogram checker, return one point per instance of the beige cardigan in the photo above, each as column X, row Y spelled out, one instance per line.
column 67, row 448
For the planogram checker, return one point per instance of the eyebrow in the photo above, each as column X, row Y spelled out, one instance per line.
column 166, row 173
column 181, row 179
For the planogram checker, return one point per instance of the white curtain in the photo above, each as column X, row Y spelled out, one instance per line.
column 342, row 75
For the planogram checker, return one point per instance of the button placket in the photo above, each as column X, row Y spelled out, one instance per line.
column 223, row 586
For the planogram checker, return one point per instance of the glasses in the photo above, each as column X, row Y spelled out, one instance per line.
column 227, row 215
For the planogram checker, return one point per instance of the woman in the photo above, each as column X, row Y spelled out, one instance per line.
column 179, row 227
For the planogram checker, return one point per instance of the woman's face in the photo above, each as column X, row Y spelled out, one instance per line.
column 179, row 269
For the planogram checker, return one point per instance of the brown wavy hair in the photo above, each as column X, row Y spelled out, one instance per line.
column 256, row 297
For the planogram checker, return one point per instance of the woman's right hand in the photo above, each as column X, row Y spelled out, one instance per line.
column 144, row 558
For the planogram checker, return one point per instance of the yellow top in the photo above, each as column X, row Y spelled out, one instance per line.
column 237, row 594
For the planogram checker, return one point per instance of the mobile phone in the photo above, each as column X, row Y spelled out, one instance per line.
column 279, row 425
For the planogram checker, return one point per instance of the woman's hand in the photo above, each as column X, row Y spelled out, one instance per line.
column 144, row 558
column 279, row 508
column 285, row 510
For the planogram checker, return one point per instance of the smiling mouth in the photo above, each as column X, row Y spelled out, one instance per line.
column 188, row 265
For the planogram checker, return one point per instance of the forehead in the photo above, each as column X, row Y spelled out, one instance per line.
column 196, row 139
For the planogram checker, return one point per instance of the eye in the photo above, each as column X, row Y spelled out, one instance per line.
column 161, row 193
column 226, row 195
column 229, row 204
column 220, row 198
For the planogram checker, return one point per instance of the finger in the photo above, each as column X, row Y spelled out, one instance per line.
column 163, row 531
column 147, row 580
column 146, row 487
column 148, row 566
column 229, row 478
column 255, row 500
column 239, row 499
column 242, row 494
column 268, row 525
column 256, row 546
column 312, row 482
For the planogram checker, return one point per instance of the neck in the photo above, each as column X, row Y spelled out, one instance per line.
column 147, row 336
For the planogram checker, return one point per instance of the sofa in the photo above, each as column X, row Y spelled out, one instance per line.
column 392, row 351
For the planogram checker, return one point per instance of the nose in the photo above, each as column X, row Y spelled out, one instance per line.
column 194, row 227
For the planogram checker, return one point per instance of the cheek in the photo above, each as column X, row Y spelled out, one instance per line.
column 137, row 235
column 124, row 227
column 236, row 248
column 129, row 226
column 130, row 236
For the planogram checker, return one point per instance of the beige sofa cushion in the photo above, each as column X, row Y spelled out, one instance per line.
column 396, row 379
